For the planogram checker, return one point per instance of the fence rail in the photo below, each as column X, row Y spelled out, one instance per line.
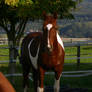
column 74, row 44
column 78, row 57
column 64, row 74
column 68, row 41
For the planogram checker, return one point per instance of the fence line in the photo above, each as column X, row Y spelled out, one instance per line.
column 80, row 54
column 68, row 73
column 4, row 41
column 74, row 44
column 86, row 73
column 65, row 58
column 77, row 58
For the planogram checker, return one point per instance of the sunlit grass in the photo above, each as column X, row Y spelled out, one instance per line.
column 71, row 52
column 4, row 53
column 85, row 51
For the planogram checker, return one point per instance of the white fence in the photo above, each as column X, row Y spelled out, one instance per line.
column 68, row 41
column 3, row 41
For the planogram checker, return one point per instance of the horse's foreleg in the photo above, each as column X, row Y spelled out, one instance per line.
column 58, row 72
column 40, row 88
column 26, row 70
column 57, row 82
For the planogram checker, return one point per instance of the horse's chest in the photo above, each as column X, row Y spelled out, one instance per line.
column 50, row 61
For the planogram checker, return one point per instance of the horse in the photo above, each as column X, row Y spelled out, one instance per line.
column 43, row 51
column 5, row 85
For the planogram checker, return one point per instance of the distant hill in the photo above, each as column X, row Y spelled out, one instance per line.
column 77, row 30
column 82, row 26
column 84, row 8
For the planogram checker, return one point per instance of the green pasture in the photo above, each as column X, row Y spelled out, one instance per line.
column 4, row 53
column 71, row 52
column 80, row 82
column 85, row 51
column 85, row 64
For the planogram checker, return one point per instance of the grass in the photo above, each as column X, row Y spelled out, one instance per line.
column 80, row 82
column 71, row 52
column 86, row 51
column 4, row 53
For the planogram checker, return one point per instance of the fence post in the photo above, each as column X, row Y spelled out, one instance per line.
column 78, row 56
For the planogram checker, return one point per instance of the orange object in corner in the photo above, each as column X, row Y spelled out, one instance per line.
column 5, row 85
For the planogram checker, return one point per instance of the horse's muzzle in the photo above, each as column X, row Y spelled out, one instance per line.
column 49, row 49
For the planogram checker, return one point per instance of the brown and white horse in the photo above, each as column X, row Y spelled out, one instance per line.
column 43, row 51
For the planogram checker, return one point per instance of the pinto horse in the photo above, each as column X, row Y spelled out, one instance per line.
column 43, row 51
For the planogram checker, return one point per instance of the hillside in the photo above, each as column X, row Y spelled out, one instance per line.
column 76, row 30
column 82, row 25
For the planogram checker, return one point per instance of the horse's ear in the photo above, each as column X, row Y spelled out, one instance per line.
column 55, row 15
column 44, row 14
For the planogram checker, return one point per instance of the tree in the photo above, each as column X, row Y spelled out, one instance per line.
column 14, row 15
column 14, row 27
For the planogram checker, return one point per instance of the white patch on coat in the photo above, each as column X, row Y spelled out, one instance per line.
column 60, row 41
column 49, row 26
column 33, row 59
column 40, row 89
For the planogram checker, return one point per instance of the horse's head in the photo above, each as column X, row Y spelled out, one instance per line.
column 49, row 31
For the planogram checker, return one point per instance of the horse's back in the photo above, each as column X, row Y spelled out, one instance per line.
column 32, row 35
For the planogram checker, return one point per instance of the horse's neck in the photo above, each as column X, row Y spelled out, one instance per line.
column 55, row 43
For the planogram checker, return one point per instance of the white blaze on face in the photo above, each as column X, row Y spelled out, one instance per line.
column 33, row 59
column 60, row 41
column 49, row 26
column 48, row 43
